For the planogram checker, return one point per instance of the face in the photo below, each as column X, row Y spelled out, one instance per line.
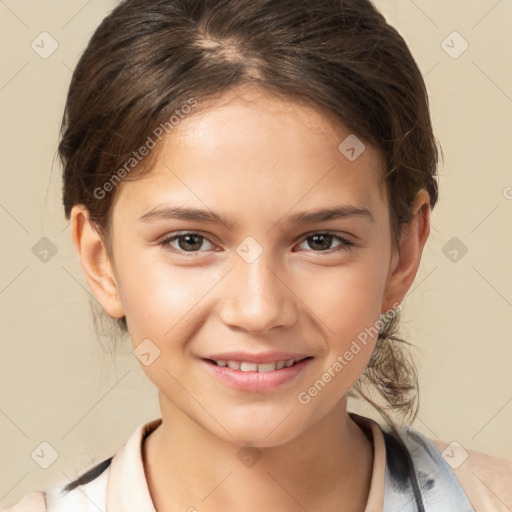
column 270, row 281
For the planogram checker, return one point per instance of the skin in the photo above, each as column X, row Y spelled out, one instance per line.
column 256, row 160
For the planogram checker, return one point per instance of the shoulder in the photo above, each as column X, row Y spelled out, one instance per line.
column 486, row 479
column 89, row 491
column 32, row 502
column 90, row 487
column 416, row 471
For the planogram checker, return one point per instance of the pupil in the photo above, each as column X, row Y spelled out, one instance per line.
column 327, row 240
column 187, row 239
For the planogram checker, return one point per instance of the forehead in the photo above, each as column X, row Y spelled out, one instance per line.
column 249, row 117
column 251, row 148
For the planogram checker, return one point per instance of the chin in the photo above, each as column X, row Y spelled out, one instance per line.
column 262, row 430
column 260, row 438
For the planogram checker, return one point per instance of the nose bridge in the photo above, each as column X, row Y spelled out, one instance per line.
column 256, row 298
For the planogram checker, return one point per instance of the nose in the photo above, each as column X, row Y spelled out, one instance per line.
column 257, row 298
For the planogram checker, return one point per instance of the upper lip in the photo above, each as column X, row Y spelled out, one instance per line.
column 260, row 358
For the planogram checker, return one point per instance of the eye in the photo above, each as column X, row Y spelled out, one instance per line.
column 187, row 242
column 191, row 242
column 322, row 241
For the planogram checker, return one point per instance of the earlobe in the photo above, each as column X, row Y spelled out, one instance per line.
column 95, row 261
column 407, row 260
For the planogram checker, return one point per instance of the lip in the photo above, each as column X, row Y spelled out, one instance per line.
column 256, row 382
column 263, row 357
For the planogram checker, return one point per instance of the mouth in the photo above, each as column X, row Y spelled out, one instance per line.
column 248, row 366
column 257, row 377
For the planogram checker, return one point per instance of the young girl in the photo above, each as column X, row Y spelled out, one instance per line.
column 250, row 185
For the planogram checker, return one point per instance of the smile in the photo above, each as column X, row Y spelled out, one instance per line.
column 245, row 366
column 256, row 377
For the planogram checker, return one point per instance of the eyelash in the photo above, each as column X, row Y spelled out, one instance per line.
column 345, row 244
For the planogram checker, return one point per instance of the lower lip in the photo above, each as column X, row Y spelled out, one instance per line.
column 256, row 382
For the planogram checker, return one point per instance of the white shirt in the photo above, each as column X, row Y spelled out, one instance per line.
column 122, row 486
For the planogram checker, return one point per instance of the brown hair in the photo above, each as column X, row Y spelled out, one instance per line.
column 150, row 58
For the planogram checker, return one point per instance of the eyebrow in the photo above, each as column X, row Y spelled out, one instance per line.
column 306, row 217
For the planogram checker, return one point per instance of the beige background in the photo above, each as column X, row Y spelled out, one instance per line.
column 57, row 383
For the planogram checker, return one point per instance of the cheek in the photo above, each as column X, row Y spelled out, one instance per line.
column 157, row 296
column 346, row 304
column 345, row 299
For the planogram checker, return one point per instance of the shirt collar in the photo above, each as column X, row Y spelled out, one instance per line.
column 375, row 502
column 127, row 487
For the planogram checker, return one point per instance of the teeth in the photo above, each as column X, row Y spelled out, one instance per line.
column 267, row 367
column 248, row 367
column 254, row 367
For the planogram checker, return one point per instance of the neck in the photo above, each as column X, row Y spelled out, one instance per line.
column 327, row 467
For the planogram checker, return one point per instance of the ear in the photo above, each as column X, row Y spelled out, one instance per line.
column 405, row 263
column 95, row 262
